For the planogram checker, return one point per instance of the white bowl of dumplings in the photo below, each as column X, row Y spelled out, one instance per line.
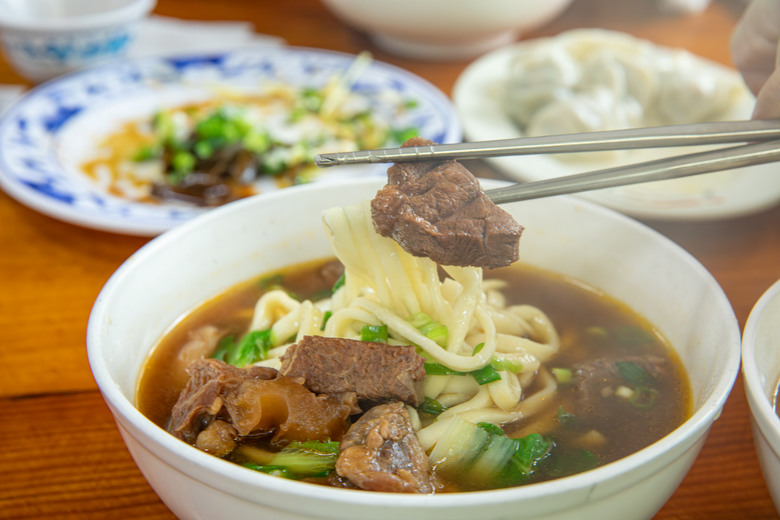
column 190, row 264
column 587, row 80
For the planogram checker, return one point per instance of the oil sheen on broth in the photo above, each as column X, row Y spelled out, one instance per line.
column 594, row 330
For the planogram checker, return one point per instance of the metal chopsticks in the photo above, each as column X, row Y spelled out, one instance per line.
column 763, row 137
column 661, row 169
column 652, row 137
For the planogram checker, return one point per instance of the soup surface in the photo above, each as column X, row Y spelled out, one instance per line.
column 620, row 386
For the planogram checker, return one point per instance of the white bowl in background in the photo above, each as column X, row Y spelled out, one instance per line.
column 199, row 259
column 45, row 38
column 761, row 373
column 445, row 29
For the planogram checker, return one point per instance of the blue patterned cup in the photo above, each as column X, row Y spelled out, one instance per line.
column 45, row 38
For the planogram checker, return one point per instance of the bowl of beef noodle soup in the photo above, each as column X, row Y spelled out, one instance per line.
column 290, row 355
column 761, row 377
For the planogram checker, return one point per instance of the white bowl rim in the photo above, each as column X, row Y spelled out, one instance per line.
column 694, row 427
column 129, row 12
column 760, row 405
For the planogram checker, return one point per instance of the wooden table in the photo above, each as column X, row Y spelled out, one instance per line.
column 60, row 453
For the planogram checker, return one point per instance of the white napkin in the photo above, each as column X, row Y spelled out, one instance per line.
column 161, row 35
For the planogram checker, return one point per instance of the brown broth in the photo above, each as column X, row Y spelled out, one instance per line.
column 590, row 324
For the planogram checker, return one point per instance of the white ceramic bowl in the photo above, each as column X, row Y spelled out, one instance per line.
column 760, row 374
column 45, row 38
column 445, row 29
column 193, row 262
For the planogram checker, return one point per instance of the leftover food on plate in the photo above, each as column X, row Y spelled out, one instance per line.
column 141, row 145
column 214, row 151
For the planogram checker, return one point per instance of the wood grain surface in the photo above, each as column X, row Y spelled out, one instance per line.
column 61, row 455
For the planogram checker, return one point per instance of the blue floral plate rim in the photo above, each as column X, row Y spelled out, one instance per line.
column 33, row 129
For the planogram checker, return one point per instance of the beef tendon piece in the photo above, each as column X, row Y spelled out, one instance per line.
column 376, row 372
column 289, row 410
column 254, row 400
column 437, row 209
column 381, row 452
column 202, row 397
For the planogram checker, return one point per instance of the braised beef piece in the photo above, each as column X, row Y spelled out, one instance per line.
column 438, row 210
column 376, row 372
column 255, row 400
column 203, row 396
column 592, row 377
column 380, row 452
column 224, row 176
column 218, row 438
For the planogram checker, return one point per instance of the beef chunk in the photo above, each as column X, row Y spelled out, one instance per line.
column 376, row 372
column 380, row 452
column 203, row 396
column 256, row 400
column 218, row 438
column 591, row 378
column 437, row 209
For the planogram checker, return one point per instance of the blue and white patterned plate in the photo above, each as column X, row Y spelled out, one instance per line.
column 51, row 130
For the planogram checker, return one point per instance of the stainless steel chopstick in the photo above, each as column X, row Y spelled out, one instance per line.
column 661, row 169
column 652, row 137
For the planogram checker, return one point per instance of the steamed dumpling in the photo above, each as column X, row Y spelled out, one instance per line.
column 537, row 79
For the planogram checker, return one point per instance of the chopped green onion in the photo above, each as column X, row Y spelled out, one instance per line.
column 164, row 127
column 256, row 142
column 562, row 375
column 643, row 397
column 437, row 332
column 430, row 328
column 377, row 333
column 183, row 162
column 437, row 369
column 485, row 375
column 478, row 349
column 431, row 406
column 507, row 364
column 203, row 149
column 145, row 153
column 419, row 319
column 325, row 317
column 339, row 283
column 491, row 428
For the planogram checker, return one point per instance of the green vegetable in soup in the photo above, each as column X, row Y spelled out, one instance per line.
column 300, row 460
column 483, row 457
column 253, row 347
